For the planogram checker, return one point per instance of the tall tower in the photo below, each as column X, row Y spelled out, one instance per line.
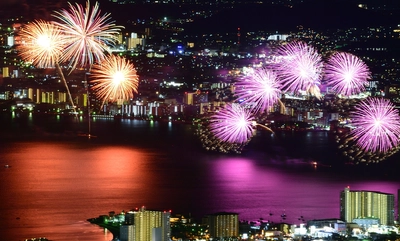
column 224, row 225
column 126, row 233
column 367, row 204
column 238, row 35
column 398, row 205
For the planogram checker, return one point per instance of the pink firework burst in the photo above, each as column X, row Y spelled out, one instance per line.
column 300, row 68
column 233, row 124
column 88, row 33
column 346, row 74
column 377, row 125
column 260, row 89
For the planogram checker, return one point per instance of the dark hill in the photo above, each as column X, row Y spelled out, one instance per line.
column 248, row 18
column 339, row 14
column 314, row 14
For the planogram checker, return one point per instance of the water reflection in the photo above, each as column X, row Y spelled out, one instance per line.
column 57, row 181
column 52, row 188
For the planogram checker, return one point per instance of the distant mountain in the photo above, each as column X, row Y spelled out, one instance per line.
column 248, row 17
column 317, row 14
column 340, row 13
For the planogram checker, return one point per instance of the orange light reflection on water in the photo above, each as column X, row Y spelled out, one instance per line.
column 45, row 179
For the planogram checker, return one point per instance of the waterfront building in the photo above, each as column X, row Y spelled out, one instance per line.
column 366, row 204
column 366, row 222
column 126, row 233
column 224, row 225
column 147, row 225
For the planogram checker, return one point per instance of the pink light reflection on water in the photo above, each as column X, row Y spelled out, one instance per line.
column 297, row 189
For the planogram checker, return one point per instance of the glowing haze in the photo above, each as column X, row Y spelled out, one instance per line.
column 346, row 74
column 377, row 125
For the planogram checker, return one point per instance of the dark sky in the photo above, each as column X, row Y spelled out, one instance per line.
column 37, row 9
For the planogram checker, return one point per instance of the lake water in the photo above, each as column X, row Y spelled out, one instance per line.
column 56, row 179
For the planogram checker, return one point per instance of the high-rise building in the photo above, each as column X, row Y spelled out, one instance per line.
column 366, row 204
column 126, row 233
column 148, row 225
column 224, row 225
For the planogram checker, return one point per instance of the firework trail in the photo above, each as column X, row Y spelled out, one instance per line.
column 87, row 34
column 377, row 125
column 114, row 79
column 346, row 74
column 260, row 89
column 300, row 68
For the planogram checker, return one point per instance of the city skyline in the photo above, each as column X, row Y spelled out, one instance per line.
column 168, row 37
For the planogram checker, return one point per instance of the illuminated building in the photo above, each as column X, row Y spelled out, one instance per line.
column 224, row 225
column 195, row 98
column 366, row 204
column 134, row 41
column 126, row 233
column 188, row 98
column 147, row 225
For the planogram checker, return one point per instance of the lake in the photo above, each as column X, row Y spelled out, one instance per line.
column 57, row 179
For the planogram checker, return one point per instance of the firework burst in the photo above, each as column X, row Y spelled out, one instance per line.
column 377, row 125
column 260, row 89
column 114, row 79
column 87, row 34
column 346, row 74
column 228, row 130
column 233, row 124
column 41, row 43
column 300, row 68
column 212, row 143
